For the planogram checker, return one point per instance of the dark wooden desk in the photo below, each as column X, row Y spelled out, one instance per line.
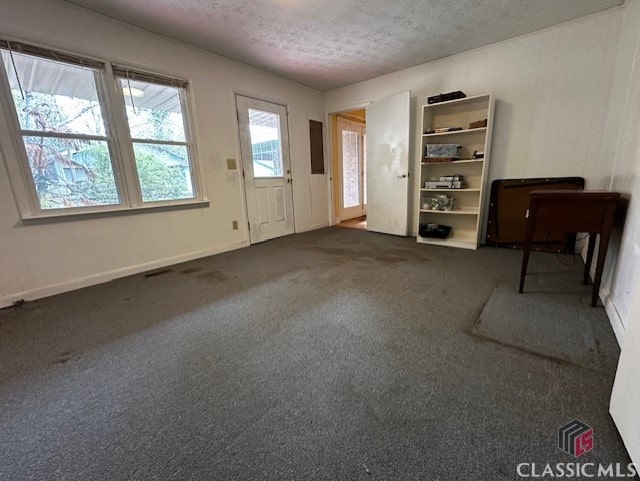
column 572, row 211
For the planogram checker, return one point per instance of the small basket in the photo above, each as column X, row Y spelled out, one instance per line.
column 436, row 231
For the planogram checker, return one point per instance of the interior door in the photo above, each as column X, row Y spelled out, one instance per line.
column 387, row 148
column 351, row 150
column 264, row 141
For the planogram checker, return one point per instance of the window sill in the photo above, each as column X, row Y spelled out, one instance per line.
column 56, row 216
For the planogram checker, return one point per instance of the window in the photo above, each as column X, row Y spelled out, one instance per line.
column 350, row 168
column 156, row 111
column 266, row 144
column 65, row 137
column 87, row 151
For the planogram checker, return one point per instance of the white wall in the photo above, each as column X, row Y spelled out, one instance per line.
column 551, row 87
column 568, row 104
column 623, row 281
column 622, row 147
column 47, row 258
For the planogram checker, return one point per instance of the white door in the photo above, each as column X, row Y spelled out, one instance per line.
column 625, row 398
column 351, row 150
column 388, row 165
column 264, row 141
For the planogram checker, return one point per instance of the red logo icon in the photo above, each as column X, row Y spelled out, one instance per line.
column 575, row 438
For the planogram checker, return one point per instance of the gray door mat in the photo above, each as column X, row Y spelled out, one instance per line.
column 568, row 331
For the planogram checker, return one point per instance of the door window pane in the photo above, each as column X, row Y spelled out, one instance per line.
column 266, row 145
column 350, row 169
column 71, row 173
column 164, row 172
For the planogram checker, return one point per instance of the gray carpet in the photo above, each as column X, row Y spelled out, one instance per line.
column 572, row 332
column 331, row 355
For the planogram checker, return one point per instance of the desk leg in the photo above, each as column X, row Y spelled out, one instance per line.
column 590, row 249
column 531, row 227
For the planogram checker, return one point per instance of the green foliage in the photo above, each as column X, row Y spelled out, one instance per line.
column 158, row 180
column 96, row 184
column 71, row 172
column 103, row 188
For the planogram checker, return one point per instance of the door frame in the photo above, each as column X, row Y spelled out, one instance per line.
column 359, row 127
column 331, row 120
column 239, row 164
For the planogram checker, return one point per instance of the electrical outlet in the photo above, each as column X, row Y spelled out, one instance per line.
column 231, row 164
column 234, row 224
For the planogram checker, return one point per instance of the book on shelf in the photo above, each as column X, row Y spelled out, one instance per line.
column 437, row 184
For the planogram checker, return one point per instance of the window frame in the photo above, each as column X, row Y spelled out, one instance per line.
column 117, row 137
column 118, row 72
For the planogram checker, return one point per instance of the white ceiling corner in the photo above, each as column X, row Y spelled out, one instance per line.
column 328, row 44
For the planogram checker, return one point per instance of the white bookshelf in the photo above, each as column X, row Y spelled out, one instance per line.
column 467, row 216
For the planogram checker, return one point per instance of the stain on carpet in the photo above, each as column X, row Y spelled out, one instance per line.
column 388, row 256
column 390, row 259
column 191, row 270
column 63, row 357
column 213, row 276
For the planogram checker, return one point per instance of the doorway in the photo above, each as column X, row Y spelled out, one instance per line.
column 383, row 181
column 350, row 168
column 266, row 167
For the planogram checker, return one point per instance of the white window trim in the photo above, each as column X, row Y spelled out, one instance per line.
column 125, row 172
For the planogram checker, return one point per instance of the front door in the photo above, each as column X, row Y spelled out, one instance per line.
column 351, row 150
column 388, row 164
column 264, row 141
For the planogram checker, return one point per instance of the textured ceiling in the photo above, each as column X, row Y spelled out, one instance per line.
column 330, row 43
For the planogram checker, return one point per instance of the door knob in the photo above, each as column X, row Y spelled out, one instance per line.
column 403, row 176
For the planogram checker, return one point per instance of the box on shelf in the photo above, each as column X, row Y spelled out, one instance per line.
column 442, row 150
column 478, row 124
column 436, row 184
column 434, row 99
column 442, row 130
column 451, row 178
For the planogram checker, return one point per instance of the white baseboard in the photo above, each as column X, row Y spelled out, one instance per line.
column 614, row 317
column 609, row 307
column 91, row 280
